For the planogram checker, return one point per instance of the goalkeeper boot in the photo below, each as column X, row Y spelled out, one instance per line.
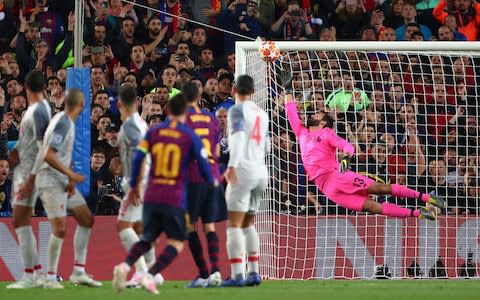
column 149, row 284
column 198, row 282
column 238, row 281
column 81, row 278
column 253, row 279
column 215, row 279
column 436, row 201
column 427, row 214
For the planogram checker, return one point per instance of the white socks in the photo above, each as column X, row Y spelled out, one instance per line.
column 28, row 245
column 150, row 257
column 236, row 251
column 80, row 245
column 54, row 249
column 129, row 237
column 252, row 247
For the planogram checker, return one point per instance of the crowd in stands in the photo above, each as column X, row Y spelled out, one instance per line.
column 412, row 117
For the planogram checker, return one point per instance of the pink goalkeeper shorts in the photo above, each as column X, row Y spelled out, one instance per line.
column 348, row 190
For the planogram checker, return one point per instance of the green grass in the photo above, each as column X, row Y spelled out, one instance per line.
column 277, row 290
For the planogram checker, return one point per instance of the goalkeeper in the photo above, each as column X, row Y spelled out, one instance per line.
column 318, row 144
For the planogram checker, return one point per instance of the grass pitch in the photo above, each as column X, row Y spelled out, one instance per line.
column 275, row 290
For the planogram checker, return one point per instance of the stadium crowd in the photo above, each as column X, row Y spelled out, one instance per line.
column 412, row 117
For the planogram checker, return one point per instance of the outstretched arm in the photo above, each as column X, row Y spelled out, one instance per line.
column 342, row 144
column 286, row 78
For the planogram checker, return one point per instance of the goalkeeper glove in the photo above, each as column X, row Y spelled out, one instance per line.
column 344, row 164
column 286, row 78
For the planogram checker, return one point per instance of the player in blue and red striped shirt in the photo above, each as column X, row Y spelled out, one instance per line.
column 172, row 146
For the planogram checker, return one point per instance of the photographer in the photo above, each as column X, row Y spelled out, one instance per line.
column 110, row 194
column 294, row 24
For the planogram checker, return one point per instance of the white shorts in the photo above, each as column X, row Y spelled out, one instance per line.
column 129, row 212
column 56, row 202
column 245, row 195
column 19, row 179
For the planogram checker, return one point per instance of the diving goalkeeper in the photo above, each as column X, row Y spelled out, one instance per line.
column 318, row 145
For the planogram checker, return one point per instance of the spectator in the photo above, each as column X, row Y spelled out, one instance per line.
column 206, row 68
column 95, row 114
column 409, row 15
column 14, row 87
column 199, row 41
column 123, row 41
column 342, row 99
column 445, row 34
column 467, row 14
column 350, row 16
column 139, row 64
column 110, row 193
column 98, row 176
column 293, row 25
column 17, row 106
column 155, row 41
column 451, row 22
column 395, row 18
column 169, row 77
column 5, row 189
column 241, row 17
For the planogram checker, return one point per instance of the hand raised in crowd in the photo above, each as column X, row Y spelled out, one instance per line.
column 107, row 50
column 6, row 122
column 209, row 12
column 71, row 21
column 126, row 8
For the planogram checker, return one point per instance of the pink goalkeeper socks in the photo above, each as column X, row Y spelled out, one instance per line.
column 393, row 210
column 405, row 192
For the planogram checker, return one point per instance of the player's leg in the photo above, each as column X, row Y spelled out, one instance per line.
column 152, row 228
column 22, row 213
column 398, row 190
column 28, row 245
column 174, row 224
column 393, row 210
column 238, row 201
column 84, row 218
column 197, row 199
column 251, row 235
column 55, row 204
column 128, row 236
column 215, row 277
column 216, row 212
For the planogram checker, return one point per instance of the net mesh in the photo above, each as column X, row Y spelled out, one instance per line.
column 413, row 119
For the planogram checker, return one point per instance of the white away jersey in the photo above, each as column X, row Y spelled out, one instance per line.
column 251, row 119
column 60, row 135
column 131, row 132
column 32, row 129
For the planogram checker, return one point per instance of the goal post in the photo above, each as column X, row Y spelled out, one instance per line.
column 411, row 111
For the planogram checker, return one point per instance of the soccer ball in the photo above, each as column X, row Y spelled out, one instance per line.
column 269, row 51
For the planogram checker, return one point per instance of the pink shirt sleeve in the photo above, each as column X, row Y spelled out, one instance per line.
column 340, row 143
column 293, row 119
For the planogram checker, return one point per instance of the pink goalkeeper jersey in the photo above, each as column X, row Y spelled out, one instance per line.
column 318, row 149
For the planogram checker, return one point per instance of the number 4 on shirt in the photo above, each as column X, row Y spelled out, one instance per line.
column 256, row 131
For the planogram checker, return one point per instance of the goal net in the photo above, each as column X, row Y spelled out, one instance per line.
column 410, row 110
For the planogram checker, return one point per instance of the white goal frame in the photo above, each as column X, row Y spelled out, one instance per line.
column 270, row 266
